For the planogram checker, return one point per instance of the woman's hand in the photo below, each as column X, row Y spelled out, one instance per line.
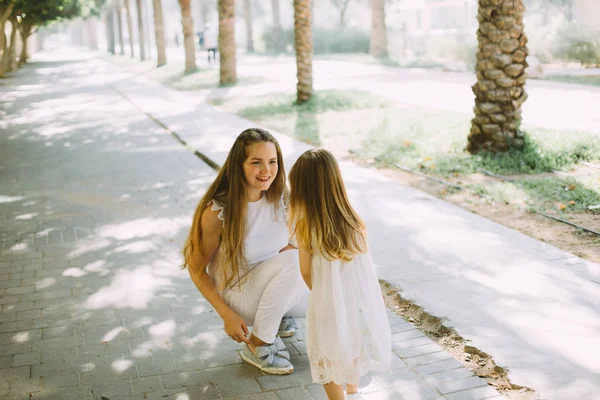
column 288, row 247
column 236, row 328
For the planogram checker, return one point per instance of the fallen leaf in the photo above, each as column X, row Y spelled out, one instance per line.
column 145, row 395
column 456, row 174
column 561, row 206
column 407, row 143
column 570, row 187
column 427, row 159
column 572, row 202
column 444, row 191
column 432, row 166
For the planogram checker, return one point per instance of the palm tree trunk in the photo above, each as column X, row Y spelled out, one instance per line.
column 159, row 33
column 500, row 87
column 117, row 10
column 304, row 49
column 129, row 26
column 378, row 45
column 140, row 21
column 228, row 69
column 248, row 18
column 188, row 36
column 277, row 31
column 25, row 29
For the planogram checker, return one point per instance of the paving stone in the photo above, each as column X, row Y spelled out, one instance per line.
column 409, row 343
column 28, row 385
column 146, row 384
column 407, row 335
column 449, row 375
column 474, row 394
column 397, row 378
column 26, row 359
column 317, row 392
column 14, row 373
column 59, row 343
column 428, row 358
column 418, row 350
column 21, row 306
column 463, row 384
column 257, row 396
column 299, row 393
column 181, row 379
column 111, row 389
column 437, row 367
column 60, row 381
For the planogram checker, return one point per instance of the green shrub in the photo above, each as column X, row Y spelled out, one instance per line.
column 576, row 43
column 325, row 40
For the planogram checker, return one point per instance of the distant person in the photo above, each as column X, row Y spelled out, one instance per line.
column 211, row 42
column 176, row 39
column 201, row 40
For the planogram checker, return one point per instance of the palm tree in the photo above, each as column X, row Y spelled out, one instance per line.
column 248, row 18
column 117, row 10
column 500, row 68
column 228, row 69
column 378, row 43
column 129, row 26
column 159, row 32
column 304, row 49
column 277, row 31
column 188, row 36
column 140, row 18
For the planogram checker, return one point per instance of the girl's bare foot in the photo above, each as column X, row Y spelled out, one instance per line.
column 255, row 342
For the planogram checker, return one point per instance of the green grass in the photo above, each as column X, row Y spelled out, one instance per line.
column 329, row 100
column 593, row 80
column 415, row 137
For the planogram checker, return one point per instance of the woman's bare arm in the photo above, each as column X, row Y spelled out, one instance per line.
column 212, row 227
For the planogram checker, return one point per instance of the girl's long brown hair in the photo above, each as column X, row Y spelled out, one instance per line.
column 229, row 189
column 320, row 212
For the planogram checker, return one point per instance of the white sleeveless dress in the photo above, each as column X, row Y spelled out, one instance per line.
column 348, row 332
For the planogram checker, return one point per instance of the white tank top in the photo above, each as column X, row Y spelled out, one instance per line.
column 266, row 234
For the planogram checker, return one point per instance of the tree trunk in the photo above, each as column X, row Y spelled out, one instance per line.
column 278, row 45
column 188, row 36
column 227, row 42
column 500, row 68
column 110, row 31
column 378, row 45
column 140, row 20
column 92, row 36
column 4, row 16
column 304, row 49
column 248, row 19
column 25, row 30
column 11, row 53
column 117, row 10
column 129, row 26
column 159, row 33
column 147, row 27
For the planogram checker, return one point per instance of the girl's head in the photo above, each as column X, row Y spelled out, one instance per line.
column 320, row 211
column 254, row 166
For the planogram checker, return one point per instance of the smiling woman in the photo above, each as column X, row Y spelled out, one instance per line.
column 240, row 256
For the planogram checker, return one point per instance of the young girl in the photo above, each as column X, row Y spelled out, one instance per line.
column 348, row 332
column 239, row 253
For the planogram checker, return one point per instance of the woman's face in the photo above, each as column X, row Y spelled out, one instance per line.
column 260, row 168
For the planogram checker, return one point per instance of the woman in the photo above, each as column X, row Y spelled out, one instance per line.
column 239, row 253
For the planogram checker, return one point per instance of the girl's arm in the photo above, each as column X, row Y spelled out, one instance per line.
column 212, row 227
column 305, row 266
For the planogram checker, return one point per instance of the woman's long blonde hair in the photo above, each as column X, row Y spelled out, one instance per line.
column 320, row 212
column 229, row 189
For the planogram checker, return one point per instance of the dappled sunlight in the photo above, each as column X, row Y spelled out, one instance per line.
column 10, row 199
column 26, row 216
column 84, row 248
column 45, row 283
column 141, row 246
column 143, row 227
column 134, row 288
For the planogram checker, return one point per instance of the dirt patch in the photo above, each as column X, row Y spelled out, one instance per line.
column 472, row 358
column 565, row 237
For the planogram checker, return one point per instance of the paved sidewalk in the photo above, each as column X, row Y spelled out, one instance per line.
column 533, row 307
column 95, row 201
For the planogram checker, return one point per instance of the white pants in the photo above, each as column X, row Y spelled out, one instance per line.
column 273, row 288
